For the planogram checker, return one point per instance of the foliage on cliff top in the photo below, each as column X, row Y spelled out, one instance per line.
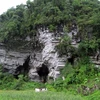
column 24, row 20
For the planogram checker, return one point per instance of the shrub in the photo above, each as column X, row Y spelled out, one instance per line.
column 52, row 28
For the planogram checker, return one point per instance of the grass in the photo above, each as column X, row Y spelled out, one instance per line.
column 31, row 95
column 94, row 96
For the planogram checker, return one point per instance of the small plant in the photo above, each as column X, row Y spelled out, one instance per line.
column 52, row 28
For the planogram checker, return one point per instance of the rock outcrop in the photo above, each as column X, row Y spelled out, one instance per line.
column 11, row 59
column 48, row 54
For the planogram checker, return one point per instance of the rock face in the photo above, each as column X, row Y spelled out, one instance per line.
column 73, row 35
column 48, row 54
column 11, row 59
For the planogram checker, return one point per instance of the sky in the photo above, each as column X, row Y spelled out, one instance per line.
column 6, row 4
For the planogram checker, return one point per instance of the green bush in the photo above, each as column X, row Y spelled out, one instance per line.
column 52, row 28
column 64, row 46
column 84, row 73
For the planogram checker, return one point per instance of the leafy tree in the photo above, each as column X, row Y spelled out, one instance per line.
column 24, row 20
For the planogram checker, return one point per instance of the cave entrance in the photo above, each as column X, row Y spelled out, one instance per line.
column 43, row 72
column 23, row 69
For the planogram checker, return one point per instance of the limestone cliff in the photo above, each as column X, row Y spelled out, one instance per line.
column 11, row 59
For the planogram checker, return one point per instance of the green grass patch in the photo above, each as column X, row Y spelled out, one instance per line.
column 94, row 96
column 31, row 95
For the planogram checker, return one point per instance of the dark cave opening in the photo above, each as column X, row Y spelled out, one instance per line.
column 23, row 69
column 43, row 72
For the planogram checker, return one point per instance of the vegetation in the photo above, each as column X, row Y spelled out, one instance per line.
column 24, row 20
column 31, row 95
column 78, row 78
column 83, row 74
column 8, row 82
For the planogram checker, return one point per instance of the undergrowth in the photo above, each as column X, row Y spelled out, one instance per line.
column 82, row 78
